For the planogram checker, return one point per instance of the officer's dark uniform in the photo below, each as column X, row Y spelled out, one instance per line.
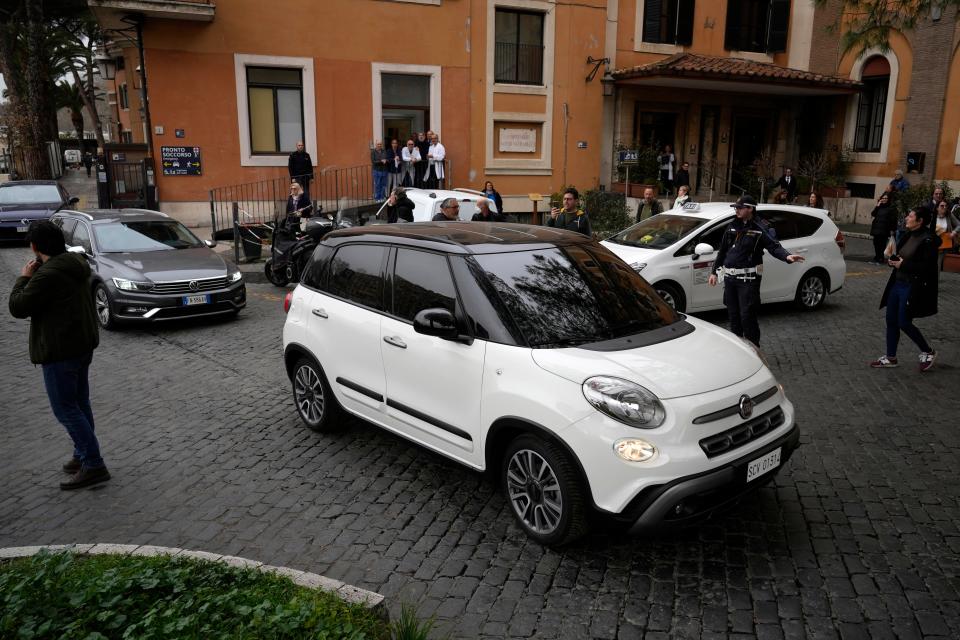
column 741, row 250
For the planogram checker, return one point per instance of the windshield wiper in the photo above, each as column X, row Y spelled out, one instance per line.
column 568, row 342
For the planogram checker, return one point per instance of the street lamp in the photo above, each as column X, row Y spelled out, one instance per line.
column 608, row 84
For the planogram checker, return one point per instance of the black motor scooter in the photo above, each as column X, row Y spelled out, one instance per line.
column 291, row 248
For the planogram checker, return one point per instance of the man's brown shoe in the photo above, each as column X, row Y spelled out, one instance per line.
column 72, row 466
column 86, row 477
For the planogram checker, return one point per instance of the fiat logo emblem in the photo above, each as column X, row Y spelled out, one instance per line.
column 194, row 286
column 746, row 406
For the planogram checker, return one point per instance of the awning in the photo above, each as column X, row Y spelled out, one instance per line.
column 714, row 73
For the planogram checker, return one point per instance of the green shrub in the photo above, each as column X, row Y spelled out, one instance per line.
column 105, row 597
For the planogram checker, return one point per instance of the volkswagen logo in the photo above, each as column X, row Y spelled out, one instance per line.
column 25, row 220
column 194, row 286
column 746, row 406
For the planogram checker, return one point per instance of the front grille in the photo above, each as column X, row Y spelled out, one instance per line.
column 742, row 433
column 183, row 286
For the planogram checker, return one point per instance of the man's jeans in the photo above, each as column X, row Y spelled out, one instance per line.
column 379, row 185
column 69, row 392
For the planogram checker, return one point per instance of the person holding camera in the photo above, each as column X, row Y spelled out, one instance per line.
column 53, row 290
column 911, row 291
column 399, row 207
column 570, row 217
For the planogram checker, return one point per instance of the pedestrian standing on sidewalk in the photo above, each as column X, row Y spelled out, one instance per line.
column 300, row 167
column 568, row 216
column 740, row 260
column 88, row 162
column 911, row 291
column 883, row 227
column 53, row 290
column 379, row 160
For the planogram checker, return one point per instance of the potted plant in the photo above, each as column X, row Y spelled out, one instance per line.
column 643, row 174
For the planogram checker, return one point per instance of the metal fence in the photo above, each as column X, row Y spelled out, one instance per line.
column 258, row 204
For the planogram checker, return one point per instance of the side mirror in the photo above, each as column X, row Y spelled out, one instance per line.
column 436, row 322
column 210, row 243
column 73, row 200
column 78, row 249
column 702, row 249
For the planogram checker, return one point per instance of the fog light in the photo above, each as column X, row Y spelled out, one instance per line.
column 634, row 450
column 136, row 309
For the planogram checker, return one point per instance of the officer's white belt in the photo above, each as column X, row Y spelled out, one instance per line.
column 730, row 271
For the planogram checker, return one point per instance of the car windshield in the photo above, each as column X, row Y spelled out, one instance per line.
column 568, row 296
column 144, row 235
column 30, row 194
column 658, row 232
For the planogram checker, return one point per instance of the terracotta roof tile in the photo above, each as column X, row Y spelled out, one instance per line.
column 725, row 68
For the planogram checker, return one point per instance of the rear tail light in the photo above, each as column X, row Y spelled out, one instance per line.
column 287, row 301
column 841, row 241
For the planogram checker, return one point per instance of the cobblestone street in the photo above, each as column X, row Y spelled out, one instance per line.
column 857, row 538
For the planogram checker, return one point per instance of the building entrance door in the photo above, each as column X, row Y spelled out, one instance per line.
column 748, row 141
column 405, row 106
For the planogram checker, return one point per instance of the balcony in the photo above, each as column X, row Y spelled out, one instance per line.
column 109, row 13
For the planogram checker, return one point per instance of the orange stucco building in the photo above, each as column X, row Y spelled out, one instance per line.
column 530, row 94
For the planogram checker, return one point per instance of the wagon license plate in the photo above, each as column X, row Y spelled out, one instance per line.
column 192, row 300
column 762, row 465
column 22, row 229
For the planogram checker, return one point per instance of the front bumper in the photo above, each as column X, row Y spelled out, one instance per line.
column 130, row 306
column 696, row 498
column 15, row 229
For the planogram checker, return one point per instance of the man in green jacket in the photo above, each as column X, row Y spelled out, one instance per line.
column 53, row 290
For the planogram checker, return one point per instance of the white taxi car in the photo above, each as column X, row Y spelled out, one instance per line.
column 538, row 355
column 426, row 203
column 674, row 251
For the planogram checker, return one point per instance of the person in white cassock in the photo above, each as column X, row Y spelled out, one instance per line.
column 435, row 155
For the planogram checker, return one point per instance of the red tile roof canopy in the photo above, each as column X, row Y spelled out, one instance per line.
column 691, row 65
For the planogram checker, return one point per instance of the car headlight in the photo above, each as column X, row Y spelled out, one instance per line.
column 131, row 285
column 234, row 277
column 624, row 401
column 638, row 266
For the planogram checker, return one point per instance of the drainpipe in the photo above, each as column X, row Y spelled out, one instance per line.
column 144, row 100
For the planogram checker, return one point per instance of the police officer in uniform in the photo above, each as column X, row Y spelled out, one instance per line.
column 740, row 263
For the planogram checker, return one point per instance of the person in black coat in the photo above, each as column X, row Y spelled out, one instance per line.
column 494, row 195
column 788, row 183
column 298, row 206
column 300, row 166
column 422, row 143
column 399, row 207
column 484, row 214
column 683, row 176
column 911, row 291
column 883, row 226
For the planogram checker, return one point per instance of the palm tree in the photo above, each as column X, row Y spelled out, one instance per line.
column 69, row 96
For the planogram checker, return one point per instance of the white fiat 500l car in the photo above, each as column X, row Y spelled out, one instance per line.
column 537, row 354
column 669, row 251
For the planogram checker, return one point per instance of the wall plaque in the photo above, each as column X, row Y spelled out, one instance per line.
column 518, row 140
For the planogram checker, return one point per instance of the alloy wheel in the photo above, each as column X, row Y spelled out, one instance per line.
column 534, row 491
column 102, row 304
column 812, row 292
column 308, row 394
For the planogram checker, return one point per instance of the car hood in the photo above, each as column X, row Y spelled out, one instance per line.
column 705, row 359
column 29, row 211
column 178, row 264
column 631, row 254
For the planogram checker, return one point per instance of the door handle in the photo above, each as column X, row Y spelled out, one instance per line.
column 395, row 341
column 320, row 313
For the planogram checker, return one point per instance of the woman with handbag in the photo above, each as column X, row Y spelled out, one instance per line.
column 911, row 291
column 883, row 227
column 946, row 225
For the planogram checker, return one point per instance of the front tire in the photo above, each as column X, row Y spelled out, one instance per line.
column 313, row 398
column 812, row 291
column 102, row 305
column 544, row 490
column 272, row 276
column 672, row 295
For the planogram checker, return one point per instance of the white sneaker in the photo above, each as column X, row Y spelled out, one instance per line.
column 926, row 360
column 883, row 362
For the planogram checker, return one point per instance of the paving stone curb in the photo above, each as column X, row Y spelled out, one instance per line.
column 354, row 595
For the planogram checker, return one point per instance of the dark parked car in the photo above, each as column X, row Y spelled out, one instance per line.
column 147, row 267
column 23, row 201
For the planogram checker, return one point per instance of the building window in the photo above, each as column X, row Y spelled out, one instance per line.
column 122, row 96
column 872, row 107
column 668, row 21
column 126, row 137
column 518, row 56
column 275, row 99
column 757, row 25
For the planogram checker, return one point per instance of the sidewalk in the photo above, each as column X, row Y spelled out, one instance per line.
column 76, row 182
